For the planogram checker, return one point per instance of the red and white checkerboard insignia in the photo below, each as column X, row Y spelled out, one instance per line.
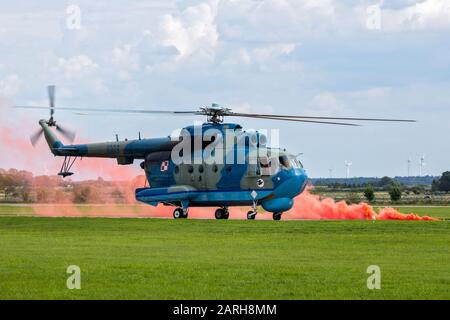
column 164, row 165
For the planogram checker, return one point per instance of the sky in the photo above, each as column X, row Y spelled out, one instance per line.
column 322, row 58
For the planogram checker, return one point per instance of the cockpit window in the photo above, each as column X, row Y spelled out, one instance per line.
column 284, row 161
column 264, row 162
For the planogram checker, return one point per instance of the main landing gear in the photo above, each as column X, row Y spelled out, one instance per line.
column 277, row 215
column 251, row 215
column 222, row 213
column 180, row 213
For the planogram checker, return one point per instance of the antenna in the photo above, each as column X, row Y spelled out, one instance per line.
column 421, row 164
column 348, row 164
column 331, row 173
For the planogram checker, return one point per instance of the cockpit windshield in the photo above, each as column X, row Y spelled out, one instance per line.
column 295, row 163
column 289, row 162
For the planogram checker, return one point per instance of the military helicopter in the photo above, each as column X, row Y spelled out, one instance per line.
column 265, row 176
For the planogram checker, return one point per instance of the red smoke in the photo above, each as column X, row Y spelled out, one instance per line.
column 309, row 206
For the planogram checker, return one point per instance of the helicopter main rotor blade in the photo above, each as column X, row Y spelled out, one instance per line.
column 318, row 118
column 51, row 99
column 300, row 120
column 34, row 138
column 224, row 113
column 142, row 111
column 68, row 134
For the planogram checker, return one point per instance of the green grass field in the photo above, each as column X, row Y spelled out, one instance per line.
column 209, row 259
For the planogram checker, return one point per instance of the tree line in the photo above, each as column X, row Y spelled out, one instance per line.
column 23, row 186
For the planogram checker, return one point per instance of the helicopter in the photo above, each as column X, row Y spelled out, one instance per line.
column 214, row 164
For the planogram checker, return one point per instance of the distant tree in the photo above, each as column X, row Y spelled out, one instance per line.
column 81, row 194
column 9, row 190
column 443, row 184
column 59, row 196
column 435, row 185
column 395, row 192
column 369, row 193
column 42, row 195
column 385, row 182
column 25, row 192
column 352, row 198
column 117, row 196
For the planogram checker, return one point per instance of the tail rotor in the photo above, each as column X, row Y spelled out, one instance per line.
column 67, row 133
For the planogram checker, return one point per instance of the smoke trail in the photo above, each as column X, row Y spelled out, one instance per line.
column 309, row 206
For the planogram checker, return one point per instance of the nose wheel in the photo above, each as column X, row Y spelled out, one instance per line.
column 222, row 213
column 251, row 215
column 180, row 213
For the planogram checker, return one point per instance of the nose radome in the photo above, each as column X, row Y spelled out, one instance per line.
column 291, row 187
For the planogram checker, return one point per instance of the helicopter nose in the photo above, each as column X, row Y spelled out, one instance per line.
column 302, row 179
column 294, row 185
column 299, row 180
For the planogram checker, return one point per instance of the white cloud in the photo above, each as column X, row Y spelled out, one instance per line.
column 325, row 104
column 77, row 66
column 278, row 20
column 265, row 53
column 9, row 86
column 371, row 93
column 125, row 60
column 430, row 14
column 192, row 32
column 262, row 56
column 245, row 107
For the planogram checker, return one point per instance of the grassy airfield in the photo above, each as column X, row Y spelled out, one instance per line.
column 209, row 259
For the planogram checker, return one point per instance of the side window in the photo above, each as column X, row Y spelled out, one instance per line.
column 265, row 165
column 284, row 161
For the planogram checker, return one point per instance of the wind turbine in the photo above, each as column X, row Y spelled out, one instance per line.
column 421, row 164
column 409, row 167
column 348, row 164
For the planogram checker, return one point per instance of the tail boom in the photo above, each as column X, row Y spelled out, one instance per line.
column 124, row 151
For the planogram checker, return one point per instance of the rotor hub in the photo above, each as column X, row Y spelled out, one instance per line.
column 215, row 113
column 51, row 122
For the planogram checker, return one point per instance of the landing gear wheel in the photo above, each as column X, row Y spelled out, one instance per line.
column 251, row 215
column 277, row 215
column 221, row 213
column 185, row 214
column 178, row 213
